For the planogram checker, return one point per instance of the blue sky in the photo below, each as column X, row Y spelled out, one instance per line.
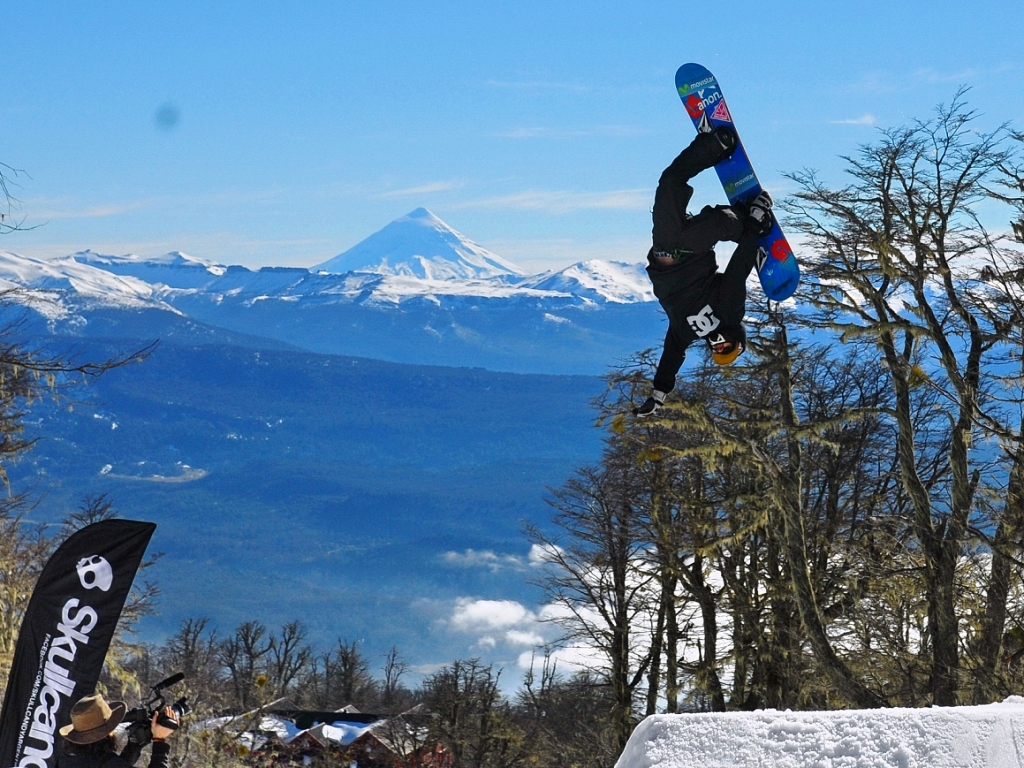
column 284, row 133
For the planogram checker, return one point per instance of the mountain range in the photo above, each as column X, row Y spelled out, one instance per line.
column 415, row 292
column 327, row 444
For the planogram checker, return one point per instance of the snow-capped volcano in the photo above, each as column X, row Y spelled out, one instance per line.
column 420, row 245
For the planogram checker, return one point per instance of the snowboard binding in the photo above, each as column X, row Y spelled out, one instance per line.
column 760, row 212
column 710, row 148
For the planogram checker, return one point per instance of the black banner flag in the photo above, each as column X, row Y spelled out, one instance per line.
column 64, row 636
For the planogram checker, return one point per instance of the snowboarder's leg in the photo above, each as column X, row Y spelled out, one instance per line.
column 651, row 405
column 665, row 377
column 674, row 193
column 734, row 223
column 733, row 290
column 710, row 227
column 670, row 201
column 706, row 150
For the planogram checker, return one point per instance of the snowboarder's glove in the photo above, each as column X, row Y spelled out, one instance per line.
column 651, row 404
column 760, row 212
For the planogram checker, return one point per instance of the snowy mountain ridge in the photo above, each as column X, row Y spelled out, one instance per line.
column 590, row 281
column 55, row 287
column 174, row 269
column 414, row 257
column 423, row 294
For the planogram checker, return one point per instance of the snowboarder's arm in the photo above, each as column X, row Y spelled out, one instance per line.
column 733, row 291
column 672, row 357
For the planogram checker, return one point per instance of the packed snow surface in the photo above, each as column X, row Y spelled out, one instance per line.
column 990, row 736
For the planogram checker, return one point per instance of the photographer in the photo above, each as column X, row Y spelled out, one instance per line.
column 89, row 741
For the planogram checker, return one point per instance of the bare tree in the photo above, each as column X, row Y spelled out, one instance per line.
column 898, row 252
column 393, row 695
column 593, row 574
column 9, row 222
column 24, row 551
column 243, row 654
column 471, row 717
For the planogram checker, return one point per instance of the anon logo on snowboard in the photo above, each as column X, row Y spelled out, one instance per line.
column 697, row 102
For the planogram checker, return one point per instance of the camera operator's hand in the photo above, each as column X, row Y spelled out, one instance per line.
column 160, row 733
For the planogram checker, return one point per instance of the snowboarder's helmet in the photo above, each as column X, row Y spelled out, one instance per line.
column 727, row 344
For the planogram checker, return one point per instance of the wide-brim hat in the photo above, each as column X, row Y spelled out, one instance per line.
column 92, row 719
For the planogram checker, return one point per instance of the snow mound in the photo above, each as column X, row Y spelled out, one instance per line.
column 989, row 736
column 420, row 245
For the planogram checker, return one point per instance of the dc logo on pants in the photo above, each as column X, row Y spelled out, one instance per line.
column 704, row 322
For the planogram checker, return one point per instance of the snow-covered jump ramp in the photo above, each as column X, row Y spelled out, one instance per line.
column 990, row 736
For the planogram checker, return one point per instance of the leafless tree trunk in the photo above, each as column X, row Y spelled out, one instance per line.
column 594, row 573
column 896, row 249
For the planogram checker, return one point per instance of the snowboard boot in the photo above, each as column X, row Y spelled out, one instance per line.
column 708, row 149
column 760, row 212
column 651, row 404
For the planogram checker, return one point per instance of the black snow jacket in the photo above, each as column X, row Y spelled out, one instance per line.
column 159, row 758
column 701, row 303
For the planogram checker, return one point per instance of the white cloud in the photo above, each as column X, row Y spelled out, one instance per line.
column 882, row 81
column 555, row 615
column 424, row 189
column 540, row 554
column 519, row 637
column 55, row 210
column 563, row 201
column 485, row 615
column 498, row 623
column 473, row 558
column 866, row 119
column 567, row 659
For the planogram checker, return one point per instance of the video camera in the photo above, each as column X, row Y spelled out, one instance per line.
column 139, row 718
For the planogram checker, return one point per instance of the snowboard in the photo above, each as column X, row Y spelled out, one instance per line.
column 702, row 96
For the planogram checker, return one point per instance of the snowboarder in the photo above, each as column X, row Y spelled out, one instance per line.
column 700, row 302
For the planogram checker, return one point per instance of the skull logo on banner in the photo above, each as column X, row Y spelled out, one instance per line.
column 95, row 572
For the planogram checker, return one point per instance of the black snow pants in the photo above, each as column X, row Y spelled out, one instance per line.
column 673, row 229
